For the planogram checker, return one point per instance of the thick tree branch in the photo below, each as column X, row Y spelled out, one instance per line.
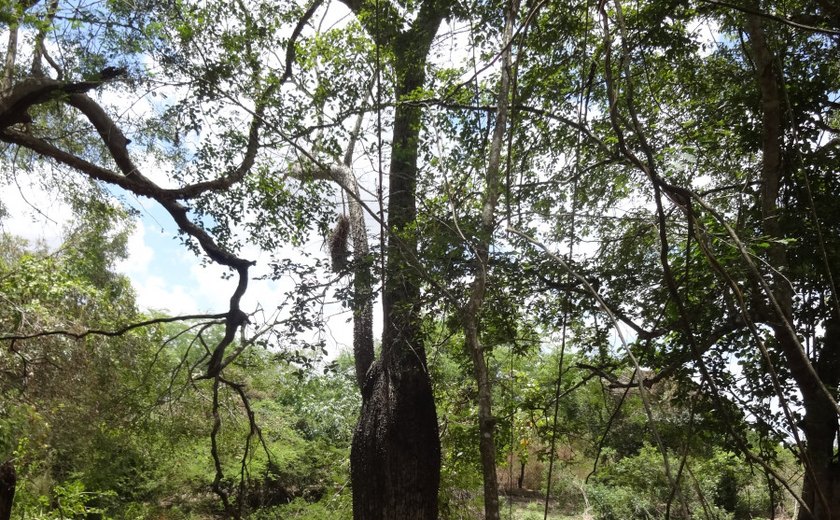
column 341, row 174
column 117, row 145
column 15, row 104
column 290, row 48
column 51, row 151
column 11, row 49
column 132, row 180
column 379, row 18
column 16, row 100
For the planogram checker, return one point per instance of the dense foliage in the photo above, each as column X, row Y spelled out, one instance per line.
column 603, row 235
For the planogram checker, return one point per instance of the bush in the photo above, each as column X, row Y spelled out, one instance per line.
column 620, row 503
column 338, row 507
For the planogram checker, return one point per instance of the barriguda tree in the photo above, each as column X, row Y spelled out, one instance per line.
column 216, row 62
column 395, row 460
column 695, row 144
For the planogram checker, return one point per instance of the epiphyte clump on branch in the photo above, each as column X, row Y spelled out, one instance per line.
column 337, row 242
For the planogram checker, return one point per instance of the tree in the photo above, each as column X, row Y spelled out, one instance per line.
column 398, row 417
column 660, row 122
column 52, row 114
column 481, row 244
column 72, row 399
column 771, row 153
column 815, row 376
column 395, row 459
column 683, row 176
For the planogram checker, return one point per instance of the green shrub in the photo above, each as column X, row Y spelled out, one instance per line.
column 334, row 508
column 611, row 502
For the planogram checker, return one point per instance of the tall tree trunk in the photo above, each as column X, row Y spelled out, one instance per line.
column 362, row 298
column 821, row 489
column 395, row 455
column 472, row 310
column 363, row 353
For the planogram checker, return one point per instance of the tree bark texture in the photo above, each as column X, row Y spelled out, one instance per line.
column 8, row 481
column 363, row 353
column 395, row 458
column 395, row 455
column 821, row 488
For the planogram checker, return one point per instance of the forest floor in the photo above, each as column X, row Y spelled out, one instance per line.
column 533, row 508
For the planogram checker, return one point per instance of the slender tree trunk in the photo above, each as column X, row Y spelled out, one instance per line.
column 9, row 64
column 486, row 421
column 363, row 353
column 7, row 80
column 395, row 455
column 821, row 489
column 472, row 311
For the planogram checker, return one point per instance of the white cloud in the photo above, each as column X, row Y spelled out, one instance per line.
column 158, row 289
column 34, row 214
column 154, row 292
column 140, row 255
column 211, row 290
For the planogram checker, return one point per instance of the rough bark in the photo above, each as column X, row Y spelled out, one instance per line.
column 363, row 354
column 8, row 481
column 821, row 489
column 16, row 100
column 395, row 456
